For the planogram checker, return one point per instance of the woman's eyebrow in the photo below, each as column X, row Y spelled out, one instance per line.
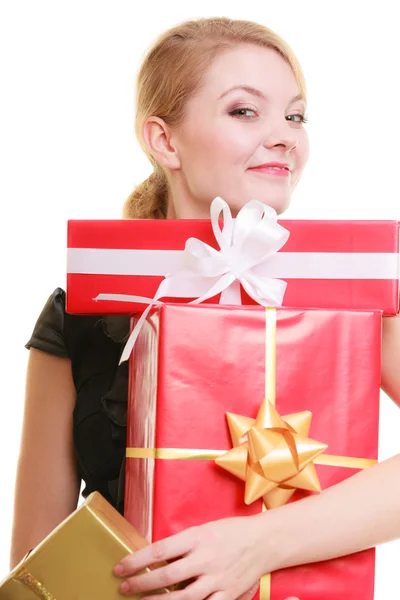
column 246, row 88
column 255, row 92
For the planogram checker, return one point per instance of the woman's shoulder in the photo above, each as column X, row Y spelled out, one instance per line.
column 64, row 334
column 48, row 332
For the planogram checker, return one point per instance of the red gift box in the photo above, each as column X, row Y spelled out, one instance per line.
column 327, row 264
column 192, row 364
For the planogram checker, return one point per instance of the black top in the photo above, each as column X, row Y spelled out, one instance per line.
column 94, row 344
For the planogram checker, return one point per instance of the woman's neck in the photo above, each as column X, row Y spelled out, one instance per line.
column 187, row 209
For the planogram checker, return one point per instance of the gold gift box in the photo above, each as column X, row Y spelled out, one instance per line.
column 76, row 560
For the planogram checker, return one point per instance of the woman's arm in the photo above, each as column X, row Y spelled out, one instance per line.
column 230, row 555
column 391, row 357
column 47, row 485
column 358, row 513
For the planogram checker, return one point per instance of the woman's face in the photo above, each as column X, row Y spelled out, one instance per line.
column 243, row 135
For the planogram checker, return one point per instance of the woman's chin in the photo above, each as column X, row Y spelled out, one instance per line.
column 279, row 204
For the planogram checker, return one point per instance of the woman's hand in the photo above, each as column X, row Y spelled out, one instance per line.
column 225, row 559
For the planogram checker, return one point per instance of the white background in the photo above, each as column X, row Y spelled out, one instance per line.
column 67, row 151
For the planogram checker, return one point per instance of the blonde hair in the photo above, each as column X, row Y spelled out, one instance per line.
column 171, row 73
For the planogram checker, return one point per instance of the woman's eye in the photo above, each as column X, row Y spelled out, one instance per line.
column 243, row 112
column 297, row 118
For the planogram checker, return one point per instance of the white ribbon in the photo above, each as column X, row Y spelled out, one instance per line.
column 246, row 243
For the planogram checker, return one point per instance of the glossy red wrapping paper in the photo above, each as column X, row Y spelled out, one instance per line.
column 192, row 364
column 126, row 257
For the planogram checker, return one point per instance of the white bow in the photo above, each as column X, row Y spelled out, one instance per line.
column 246, row 243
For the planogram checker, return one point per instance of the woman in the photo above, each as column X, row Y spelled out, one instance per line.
column 220, row 111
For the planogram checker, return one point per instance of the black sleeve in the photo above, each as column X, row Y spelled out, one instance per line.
column 48, row 334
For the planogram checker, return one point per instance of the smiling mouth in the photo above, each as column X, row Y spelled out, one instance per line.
column 275, row 170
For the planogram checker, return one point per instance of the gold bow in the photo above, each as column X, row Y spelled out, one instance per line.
column 272, row 455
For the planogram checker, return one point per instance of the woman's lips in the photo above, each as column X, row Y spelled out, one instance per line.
column 275, row 171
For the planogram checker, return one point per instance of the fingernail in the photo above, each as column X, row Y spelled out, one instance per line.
column 118, row 569
column 125, row 587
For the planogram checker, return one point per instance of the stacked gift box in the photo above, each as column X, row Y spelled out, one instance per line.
column 311, row 362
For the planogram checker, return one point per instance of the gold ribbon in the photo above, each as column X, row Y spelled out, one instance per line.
column 200, row 454
column 270, row 396
column 23, row 576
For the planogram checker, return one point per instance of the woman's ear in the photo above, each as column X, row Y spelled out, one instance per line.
column 157, row 136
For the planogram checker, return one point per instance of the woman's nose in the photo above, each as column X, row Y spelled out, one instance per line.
column 282, row 135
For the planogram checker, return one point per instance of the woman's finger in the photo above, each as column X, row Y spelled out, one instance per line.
column 162, row 577
column 166, row 549
column 249, row 595
column 198, row 590
column 224, row 595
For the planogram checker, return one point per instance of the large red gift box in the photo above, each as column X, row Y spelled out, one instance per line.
column 327, row 264
column 192, row 364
